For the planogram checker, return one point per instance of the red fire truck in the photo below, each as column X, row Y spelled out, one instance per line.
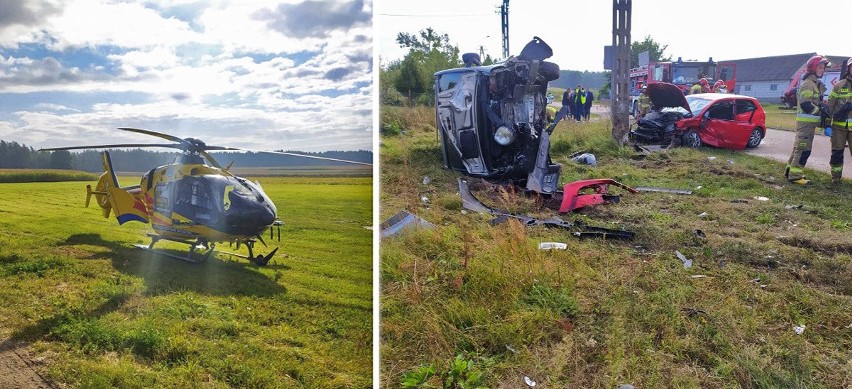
column 682, row 73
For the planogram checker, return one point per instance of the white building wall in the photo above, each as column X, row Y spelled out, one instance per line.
column 762, row 90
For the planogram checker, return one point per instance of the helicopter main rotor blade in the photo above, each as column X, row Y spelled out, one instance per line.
column 153, row 133
column 210, row 159
column 171, row 146
column 316, row 157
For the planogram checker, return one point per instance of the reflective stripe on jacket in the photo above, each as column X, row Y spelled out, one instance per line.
column 841, row 94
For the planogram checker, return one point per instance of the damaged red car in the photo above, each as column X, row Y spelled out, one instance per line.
column 715, row 119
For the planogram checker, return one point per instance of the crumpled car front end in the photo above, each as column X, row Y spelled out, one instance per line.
column 660, row 126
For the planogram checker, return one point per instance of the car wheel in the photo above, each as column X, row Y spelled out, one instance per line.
column 549, row 70
column 755, row 138
column 691, row 139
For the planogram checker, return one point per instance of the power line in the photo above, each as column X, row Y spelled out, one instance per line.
column 437, row 16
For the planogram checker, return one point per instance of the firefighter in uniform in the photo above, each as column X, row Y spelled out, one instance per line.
column 809, row 112
column 644, row 103
column 840, row 103
column 700, row 87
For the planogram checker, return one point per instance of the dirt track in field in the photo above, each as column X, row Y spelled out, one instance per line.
column 16, row 368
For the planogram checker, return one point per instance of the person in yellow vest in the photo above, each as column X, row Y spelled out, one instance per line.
column 699, row 87
column 579, row 103
column 810, row 110
column 644, row 103
column 840, row 102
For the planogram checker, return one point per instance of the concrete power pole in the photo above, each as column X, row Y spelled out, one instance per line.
column 621, row 12
column 504, row 19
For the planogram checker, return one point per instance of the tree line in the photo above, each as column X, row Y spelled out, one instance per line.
column 19, row 156
column 409, row 81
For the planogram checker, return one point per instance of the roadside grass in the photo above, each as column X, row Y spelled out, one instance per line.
column 605, row 313
column 781, row 119
column 101, row 313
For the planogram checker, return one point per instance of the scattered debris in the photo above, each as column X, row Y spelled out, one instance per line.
column 368, row 228
column 700, row 234
column 690, row 311
column 529, row 382
column 698, row 187
column 730, row 162
column 711, row 158
column 761, row 198
column 552, row 246
column 586, row 159
column 401, row 220
column 799, row 329
column 742, row 201
column 510, row 348
column 424, row 199
column 426, row 180
column 665, row 190
column 625, row 386
column 698, row 276
column 472, row 203
column 687, row 263
column 703, row 214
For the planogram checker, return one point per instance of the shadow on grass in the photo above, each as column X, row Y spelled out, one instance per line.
column 163, row 274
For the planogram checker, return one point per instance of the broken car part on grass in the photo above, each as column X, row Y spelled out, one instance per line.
column 469, row 201
column 401, row 220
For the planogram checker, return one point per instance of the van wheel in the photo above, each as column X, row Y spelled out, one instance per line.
column 549, row 70
column 755, row 138
column 691, row 139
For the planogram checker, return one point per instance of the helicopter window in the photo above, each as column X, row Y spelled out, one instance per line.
column 194, row 192
column 162, row 198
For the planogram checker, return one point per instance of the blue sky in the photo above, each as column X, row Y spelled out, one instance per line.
column 261, row 75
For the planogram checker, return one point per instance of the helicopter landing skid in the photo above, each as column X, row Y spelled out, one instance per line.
column 188, row 258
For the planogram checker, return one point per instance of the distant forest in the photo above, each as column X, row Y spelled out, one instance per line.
column 589, row 80
column 18, row 156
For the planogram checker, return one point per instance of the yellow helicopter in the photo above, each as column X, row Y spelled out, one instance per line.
column 193, row 200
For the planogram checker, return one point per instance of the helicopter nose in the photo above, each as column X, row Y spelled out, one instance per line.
column 249, row 217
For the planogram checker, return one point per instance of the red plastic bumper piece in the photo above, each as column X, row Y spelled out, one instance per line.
column 572, row 198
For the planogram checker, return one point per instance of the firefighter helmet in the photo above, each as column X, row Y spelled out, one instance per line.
column 703, row 81
column 718, row 83
column 812, row 63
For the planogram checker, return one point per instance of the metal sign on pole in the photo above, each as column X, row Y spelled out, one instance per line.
column 504, row 18
column 621, row 13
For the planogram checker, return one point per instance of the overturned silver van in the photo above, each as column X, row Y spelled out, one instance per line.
column 492, row 120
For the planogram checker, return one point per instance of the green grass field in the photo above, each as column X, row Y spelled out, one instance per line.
column 100, row 313
column 471, row 303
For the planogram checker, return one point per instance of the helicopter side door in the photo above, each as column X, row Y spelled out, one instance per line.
column 193, row 201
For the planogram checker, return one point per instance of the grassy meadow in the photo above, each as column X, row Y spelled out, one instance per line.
column 98, row 313
column 468, row 303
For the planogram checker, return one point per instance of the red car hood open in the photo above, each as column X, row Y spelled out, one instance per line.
column 665, row 95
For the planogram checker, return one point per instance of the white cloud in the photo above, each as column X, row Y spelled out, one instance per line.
column 221, row 73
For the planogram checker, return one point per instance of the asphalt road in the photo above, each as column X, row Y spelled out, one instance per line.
column 778, row 145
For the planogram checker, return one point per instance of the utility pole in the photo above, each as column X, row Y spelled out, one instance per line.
column 504, row 16
column 621, row 13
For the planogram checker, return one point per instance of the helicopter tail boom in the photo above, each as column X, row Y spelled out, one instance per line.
column 125, row 203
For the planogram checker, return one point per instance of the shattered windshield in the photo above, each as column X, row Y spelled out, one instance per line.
column 696, row 104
